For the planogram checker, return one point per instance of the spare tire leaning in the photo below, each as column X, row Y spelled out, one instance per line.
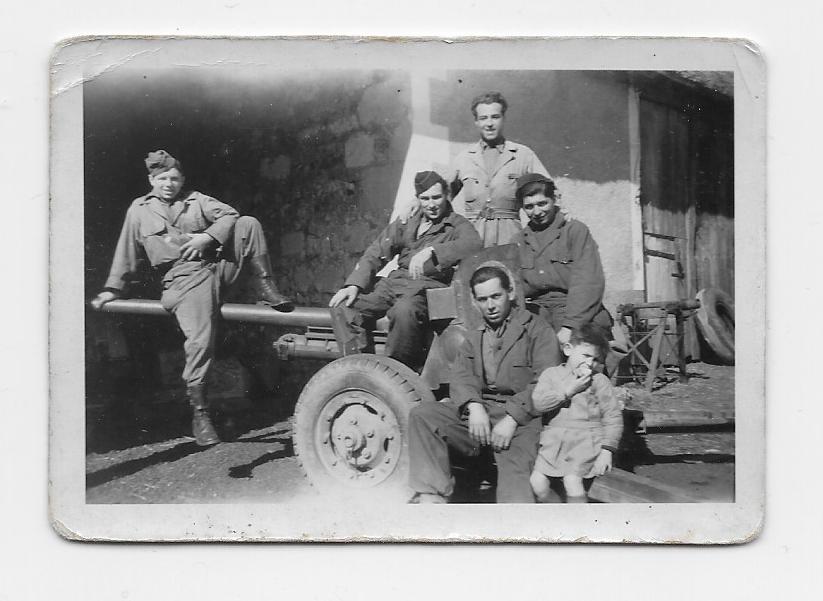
column 715, row 320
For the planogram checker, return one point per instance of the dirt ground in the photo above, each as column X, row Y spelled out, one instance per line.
column 138, row 452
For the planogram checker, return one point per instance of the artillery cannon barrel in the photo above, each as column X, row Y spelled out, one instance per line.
column 300, row 317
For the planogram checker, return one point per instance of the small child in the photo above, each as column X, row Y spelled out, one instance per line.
column 580, row 438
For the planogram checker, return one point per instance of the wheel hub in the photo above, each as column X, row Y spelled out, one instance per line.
column 358, row 437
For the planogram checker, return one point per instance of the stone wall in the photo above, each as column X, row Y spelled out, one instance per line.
column 316, row 159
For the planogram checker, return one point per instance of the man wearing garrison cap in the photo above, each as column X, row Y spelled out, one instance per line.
column 429, row 244
column 198, row 245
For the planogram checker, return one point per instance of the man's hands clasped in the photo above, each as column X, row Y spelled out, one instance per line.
column 481, row 432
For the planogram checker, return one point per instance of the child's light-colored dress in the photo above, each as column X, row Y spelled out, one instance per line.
column 572, row 440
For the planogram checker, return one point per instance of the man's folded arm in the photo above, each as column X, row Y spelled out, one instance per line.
column 466, row 243
column 221, row 216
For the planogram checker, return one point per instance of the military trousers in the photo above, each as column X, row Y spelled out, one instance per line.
column 192, row 291
column 403, row 301
column 436, row 426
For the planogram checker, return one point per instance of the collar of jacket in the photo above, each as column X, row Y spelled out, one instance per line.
column 478, row 147
column 185, row 197
column 515, row 330
column 517, row 317
column 550, row 234
column 448, row 217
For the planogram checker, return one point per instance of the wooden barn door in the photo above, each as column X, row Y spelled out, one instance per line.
column 666, row 198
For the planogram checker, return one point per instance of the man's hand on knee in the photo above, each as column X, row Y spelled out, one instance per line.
column 345, row 296
column 479, row 424
column 503, row 432
column 196, row 246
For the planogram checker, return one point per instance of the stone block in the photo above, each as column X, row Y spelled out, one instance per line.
column 292, row 245
column 383, row 103
column 330, row 278
column 281, row 167
column 318, row 246
column 275, row 169
column 357, row 238
column 359, row 150
column 304, row 276
column 343, row 125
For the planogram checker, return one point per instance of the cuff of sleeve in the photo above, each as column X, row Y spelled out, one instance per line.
column 440, row 256
column 220, row 231
column 609, row 447
column 518, row 412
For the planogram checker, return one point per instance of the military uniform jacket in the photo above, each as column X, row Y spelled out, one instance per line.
column 527, row 347
column 482, row 191
column 561, row 265
column 154, row 228
column 453, row 238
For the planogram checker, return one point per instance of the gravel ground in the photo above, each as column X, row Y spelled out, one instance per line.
column 138, row 453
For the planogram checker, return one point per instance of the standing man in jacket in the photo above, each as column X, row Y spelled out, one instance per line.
column 490, row 401
column 198, row 245
column 429, row 244
column 486, row 172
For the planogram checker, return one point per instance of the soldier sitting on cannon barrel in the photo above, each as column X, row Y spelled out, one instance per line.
column 199, row 245
column 429, row 245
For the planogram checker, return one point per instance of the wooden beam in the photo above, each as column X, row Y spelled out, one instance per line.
column 686, row 418
column 620, row 486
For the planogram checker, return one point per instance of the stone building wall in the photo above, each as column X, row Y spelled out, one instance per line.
column 316, row 159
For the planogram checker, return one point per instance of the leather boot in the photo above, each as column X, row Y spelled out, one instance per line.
column 269, row 295
column 202, row 428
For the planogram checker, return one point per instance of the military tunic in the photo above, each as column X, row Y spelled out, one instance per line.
column 487, row 195
column 562, row 273
column 398, row 296
column 154, row 230
column 526, row 348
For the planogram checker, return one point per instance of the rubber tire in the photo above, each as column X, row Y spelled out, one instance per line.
column 715, row 320
column 393, row 382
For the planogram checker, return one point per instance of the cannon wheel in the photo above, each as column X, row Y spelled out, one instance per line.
column 351, row 424
column 715, row 320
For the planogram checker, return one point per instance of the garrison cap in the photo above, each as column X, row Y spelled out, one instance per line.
column 426, row 179
column 160, row 161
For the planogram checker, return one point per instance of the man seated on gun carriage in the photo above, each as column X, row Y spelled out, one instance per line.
column 490, row 390
column 429, row 245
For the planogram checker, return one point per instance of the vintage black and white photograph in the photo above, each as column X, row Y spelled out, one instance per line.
column 302, row 288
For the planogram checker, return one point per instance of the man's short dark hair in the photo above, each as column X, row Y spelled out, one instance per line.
column 593, row 334
column 489, row 272
column 489, row 98
column 546, row 187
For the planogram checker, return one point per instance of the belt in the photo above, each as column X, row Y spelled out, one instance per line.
column 497, row 398
column 493, row 213
column 575, row 425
